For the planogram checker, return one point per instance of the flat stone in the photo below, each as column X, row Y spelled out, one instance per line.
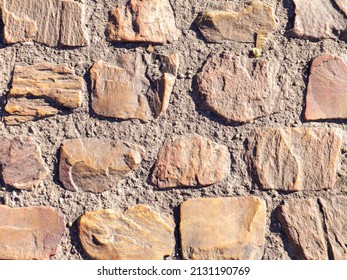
column 238, row 88
column 96, row 165
column 133, row 88
column 223, row 228
column 191, row 161
column 318, row 19
column 50, row 22
column 136, row 234
column 21, row 163
column 149, row 21
column 42, row 90
column 295, row 159
column 217, row 26
column 327, row 88
column 30, row 232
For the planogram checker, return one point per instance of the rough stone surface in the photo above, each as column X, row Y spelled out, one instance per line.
column 223, row 228
column 150, row 21
column 125, row 91
column 136, row 234
column 191, row 161
column 21, row 163
column 242, row 26
column 327, row 89
column 30, row 232
column 296, row 159
column 50, row 22
column 96, row 165
column 238, row 89
column 42, row 90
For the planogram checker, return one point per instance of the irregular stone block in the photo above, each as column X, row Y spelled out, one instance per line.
column 30, row 232
column 126, row 91
column 191, row 161
column 96, row 165
column 42, row 90
column 223, row 228
column 22, row 166
column 239, row 89
column 49, row 22
column 217, row 26
column 296, row 159
column 136, row 234
column 150, row 21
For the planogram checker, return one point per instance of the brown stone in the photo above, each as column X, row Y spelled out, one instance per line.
column 223, row 228
column 238, row 88
column 242, row 26
column 296, row 159
column 327, row 89
column 150, row 21
column 30, row 232
column 22, row 166
column 191, row 161
column 49, row 22
column 136, row 234
column 125, row 90
column 96, row 165
column 42, row 90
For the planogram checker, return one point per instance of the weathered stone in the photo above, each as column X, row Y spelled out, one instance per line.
column 327, row 89
column 342, row 4
column 191, row 161
column 126, row 91
column 239, row 89
column 242, row 26
column 150, row 21
column 223, row 228
column 136, row 234
column 318, row 19
column 42, row 90
column 296, row 159
column 50, row 22
column 30, row 232
column 21, row 163
column 96, row 165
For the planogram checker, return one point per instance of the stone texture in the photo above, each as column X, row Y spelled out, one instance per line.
column 96, row 165
column 327, row 88
column 30, row 232
column 223, row 228
column 191, row 161
column 42, row 90
column 217, row 26
column 318, row 19
column 239, row 89
column 50, row 22
column 296, row 159
column 136, row 234
column 21, row 163
column 150, row 21
column 127, row 90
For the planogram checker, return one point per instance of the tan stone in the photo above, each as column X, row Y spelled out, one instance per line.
column 223, row 228
column 327, row 88
column 296, row 159
column 30, row 232
column 22, row 166
column 191, row 161
column 125, row 91
column 342, row 4
column 96, row 165
column 42, row 90
column 50, row 22
column 239, row 89
column 136, row 234
column 150, row 21
column 242, row 26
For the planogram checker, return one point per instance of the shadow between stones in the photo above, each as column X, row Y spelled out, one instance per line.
column 75, row 240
